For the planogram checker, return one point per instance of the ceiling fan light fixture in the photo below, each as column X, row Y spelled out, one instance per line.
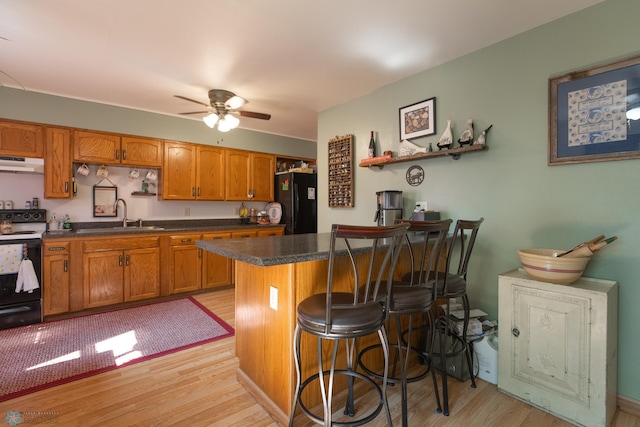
column 232, row 120
column 210, row 120
column 235, row 102
column 223, row 126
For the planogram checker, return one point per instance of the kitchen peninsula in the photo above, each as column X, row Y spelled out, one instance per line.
column 272, row 275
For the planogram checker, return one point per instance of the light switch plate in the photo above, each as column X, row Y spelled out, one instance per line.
column 273, row 297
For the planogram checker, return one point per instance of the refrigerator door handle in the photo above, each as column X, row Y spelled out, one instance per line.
column 296, row 198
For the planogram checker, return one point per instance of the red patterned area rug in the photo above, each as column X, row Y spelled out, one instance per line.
column 46, row 354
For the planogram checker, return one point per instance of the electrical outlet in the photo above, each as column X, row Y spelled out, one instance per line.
column 187, row 211
column 273, row 297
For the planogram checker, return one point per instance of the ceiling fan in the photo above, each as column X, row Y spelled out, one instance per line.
column 224, row 110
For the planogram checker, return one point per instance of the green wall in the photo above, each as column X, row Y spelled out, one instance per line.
column 525, row 203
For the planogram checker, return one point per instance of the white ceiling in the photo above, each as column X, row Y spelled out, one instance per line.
column 289, row 58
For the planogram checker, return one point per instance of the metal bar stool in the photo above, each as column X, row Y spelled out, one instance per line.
column 413, row 296
column 454, row 285
column 345, row 316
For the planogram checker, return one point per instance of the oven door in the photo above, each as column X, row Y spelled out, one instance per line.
column 25, row 306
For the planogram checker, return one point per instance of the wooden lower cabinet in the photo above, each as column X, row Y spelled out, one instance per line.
column 82, row 273
column 216, row 269
column 119, row 270
column 185, row 273
column 57, row 278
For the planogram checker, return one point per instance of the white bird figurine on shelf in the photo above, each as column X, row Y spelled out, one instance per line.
column 446, row 140
column 467, row 136
column 408, row 148
column 483, row 136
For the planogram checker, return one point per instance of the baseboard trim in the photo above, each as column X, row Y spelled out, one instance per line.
column 629, row 405
column 274, row 410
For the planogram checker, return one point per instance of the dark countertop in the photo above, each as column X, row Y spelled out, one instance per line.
column 278, row 250
column 168, row 226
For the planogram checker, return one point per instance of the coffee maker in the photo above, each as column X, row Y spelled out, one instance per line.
column 389, row 207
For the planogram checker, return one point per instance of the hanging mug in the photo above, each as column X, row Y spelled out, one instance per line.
column 152, row 175
column 103, row 171
column 83, row 170
column 134, row 174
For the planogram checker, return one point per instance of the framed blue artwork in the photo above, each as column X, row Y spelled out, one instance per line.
column 594, row 114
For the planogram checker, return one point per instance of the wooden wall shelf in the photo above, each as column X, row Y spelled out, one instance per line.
column 454, row 152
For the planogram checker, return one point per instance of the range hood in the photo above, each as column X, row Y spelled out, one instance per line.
column 21, row 165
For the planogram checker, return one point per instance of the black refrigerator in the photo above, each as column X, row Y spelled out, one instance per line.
column 296, row 192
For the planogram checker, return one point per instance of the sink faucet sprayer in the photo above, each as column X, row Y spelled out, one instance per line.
column 124, row 217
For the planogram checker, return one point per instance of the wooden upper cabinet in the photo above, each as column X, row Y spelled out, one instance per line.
column 96, row 147
column 263, row 169
column 138, row 151
column 57, row 164
column 210, row 173
column 178, row 174
column 21, row 139
column 238, row 166
column 249, row 171
column 114, row 149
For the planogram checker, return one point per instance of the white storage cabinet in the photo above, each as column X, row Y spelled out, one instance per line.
column 558, row 346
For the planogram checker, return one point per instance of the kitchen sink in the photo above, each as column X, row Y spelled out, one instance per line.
column 137, row 227
column 131, row 228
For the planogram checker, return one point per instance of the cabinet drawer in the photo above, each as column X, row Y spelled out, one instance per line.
column 55, row 248
column 244, row 233
column 184, row 239
column 120, row 243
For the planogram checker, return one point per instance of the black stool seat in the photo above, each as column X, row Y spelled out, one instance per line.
column 346, row 319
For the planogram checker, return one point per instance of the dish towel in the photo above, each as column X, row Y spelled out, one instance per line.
column 10, row 257
column 27, row 279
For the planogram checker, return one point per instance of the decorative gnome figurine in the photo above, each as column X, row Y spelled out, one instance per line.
column 446, row 140
column 483, row 136
column 467, row 136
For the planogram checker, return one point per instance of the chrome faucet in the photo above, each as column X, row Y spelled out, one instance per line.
column 124, row 217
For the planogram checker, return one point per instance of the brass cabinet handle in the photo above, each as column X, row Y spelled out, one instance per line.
column 56, row 248
column 66, row 187
column 120, row 260
column 127, row 260
column 185, row 240
column 117, row 154
column 124, row 154
column 66, row 266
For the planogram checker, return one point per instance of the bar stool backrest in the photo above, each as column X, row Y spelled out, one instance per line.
column 464, row 239
column 383, row 244
column 432, row 246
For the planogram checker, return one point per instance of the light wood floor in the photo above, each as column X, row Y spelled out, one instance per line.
column 198, row 387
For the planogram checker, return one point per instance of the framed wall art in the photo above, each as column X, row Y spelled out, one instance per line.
column 418, row 119
column 341, row 172
column 594, row 114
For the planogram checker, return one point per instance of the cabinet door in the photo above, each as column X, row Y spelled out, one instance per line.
column 210, row 173
column 55, row 274
column 21, row 140
column 238, row 170
column 96, row 147
column 57, row 164
column 186, row 264
column 103, row 278
column 141, row 274
column 138, row 151
column 216, row 269
column 178, row 171
column 262, row 172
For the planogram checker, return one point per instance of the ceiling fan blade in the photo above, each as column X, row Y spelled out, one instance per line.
column 192, row 100
column 254, row 115
column 197, row 112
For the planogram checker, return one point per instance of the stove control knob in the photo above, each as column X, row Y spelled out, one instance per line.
column 26, row 215
column 37, row 215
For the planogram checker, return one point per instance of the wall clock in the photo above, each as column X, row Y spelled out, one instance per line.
column 415, row 175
